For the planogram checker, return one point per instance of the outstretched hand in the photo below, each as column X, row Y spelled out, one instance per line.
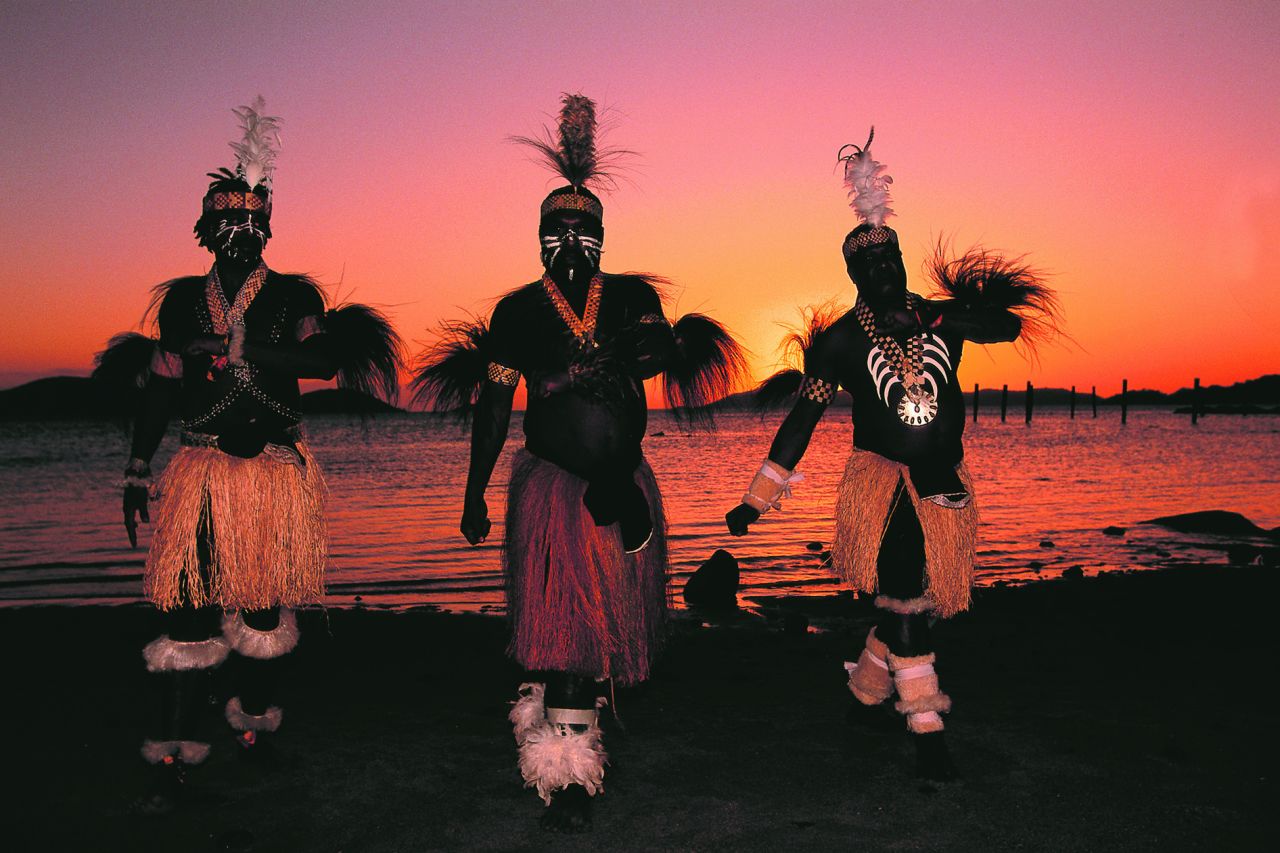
column 740, row 517
column 135, row 508
column 475, row 522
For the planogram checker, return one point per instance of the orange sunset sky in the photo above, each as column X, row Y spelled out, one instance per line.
column 1129, row 148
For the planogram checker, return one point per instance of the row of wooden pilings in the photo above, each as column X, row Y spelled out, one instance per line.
column 1030, row 397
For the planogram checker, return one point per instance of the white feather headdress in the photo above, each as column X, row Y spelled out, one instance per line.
column 867, row 183
column 256, row 152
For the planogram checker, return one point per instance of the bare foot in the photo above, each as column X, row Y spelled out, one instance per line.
column 933, row 760
column 570, row 811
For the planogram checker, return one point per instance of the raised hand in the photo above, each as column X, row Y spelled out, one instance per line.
column 740, row 517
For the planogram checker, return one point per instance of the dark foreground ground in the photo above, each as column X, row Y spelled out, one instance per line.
column 1126, row 712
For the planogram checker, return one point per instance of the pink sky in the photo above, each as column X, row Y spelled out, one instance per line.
column 1130, row 148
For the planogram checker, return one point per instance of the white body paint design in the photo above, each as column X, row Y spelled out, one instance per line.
column 937, row 368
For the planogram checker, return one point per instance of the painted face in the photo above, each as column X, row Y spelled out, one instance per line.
column 239, row 235
column 880, row 276
column 571, row 245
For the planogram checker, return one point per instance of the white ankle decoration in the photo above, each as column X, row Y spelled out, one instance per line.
column 243, row 722
column 262, row 645
column 554, row 756
column 164, row 654
column 527, row 712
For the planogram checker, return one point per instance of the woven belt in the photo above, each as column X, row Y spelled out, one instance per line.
column 187, row 438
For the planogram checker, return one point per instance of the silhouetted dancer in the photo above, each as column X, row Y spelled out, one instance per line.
column 906, row 521
column 585, row 553
column 240, row 532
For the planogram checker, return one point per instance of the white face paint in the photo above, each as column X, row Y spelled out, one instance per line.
column 240, row 241
column 553, row 244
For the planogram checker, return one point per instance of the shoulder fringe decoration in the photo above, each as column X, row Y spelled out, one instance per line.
column 256, row 151
column 709, row 365
column 121, row 370
column 551, row 760
column 779, row 390
column 164, row 654
column 262, row 645
column 983, row 279
column 191, row 752
column 867, row 183
column 448, row 375
column 573, row 153
column 863, row 506
column 368, row 351
column 242, row 722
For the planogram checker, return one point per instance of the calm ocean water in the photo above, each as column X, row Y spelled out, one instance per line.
column 396, row 487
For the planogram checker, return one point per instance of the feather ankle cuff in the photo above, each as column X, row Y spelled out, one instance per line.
column 262, row 645
column 164, row 654
column 188, row 751
column 243, row 722
column 553, row 757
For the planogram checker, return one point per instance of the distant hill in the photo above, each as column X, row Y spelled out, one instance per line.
column 1252, row 395
column 80, row 398
column 71, row 397
column 54, row 398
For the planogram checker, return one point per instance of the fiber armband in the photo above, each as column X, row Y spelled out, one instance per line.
column 770, row 485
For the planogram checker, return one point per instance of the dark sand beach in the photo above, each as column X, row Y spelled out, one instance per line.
column 1123, row 712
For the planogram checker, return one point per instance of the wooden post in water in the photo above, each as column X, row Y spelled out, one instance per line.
column 1073, row 402
column 1093, row 399
column 975, row 402
column 1004, row 402
column 1124, row 401
column 1031, row 400
column 1195, row 402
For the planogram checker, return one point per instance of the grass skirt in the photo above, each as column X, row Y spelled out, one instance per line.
column 863, row 506
column 578, row 602
column 237, row 533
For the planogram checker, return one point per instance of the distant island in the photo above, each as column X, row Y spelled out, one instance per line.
column 76, row 397
column 81, row 398
column 1253, row 396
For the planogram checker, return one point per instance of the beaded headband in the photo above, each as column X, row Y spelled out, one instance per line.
column 237, row 200
column 573, row 201
column 857, row 242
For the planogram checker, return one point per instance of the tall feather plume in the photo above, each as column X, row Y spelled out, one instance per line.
column 710, row 365
column 982, row 279
column 449, row 374
column 572, row 152
column 780, row 389
column 867, row 183
column 256, row 152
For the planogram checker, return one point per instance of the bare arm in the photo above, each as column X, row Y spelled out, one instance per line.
column 155, row 407
column 310, row 359
column 980, row 325
column 490, row 423
column 789, row 445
